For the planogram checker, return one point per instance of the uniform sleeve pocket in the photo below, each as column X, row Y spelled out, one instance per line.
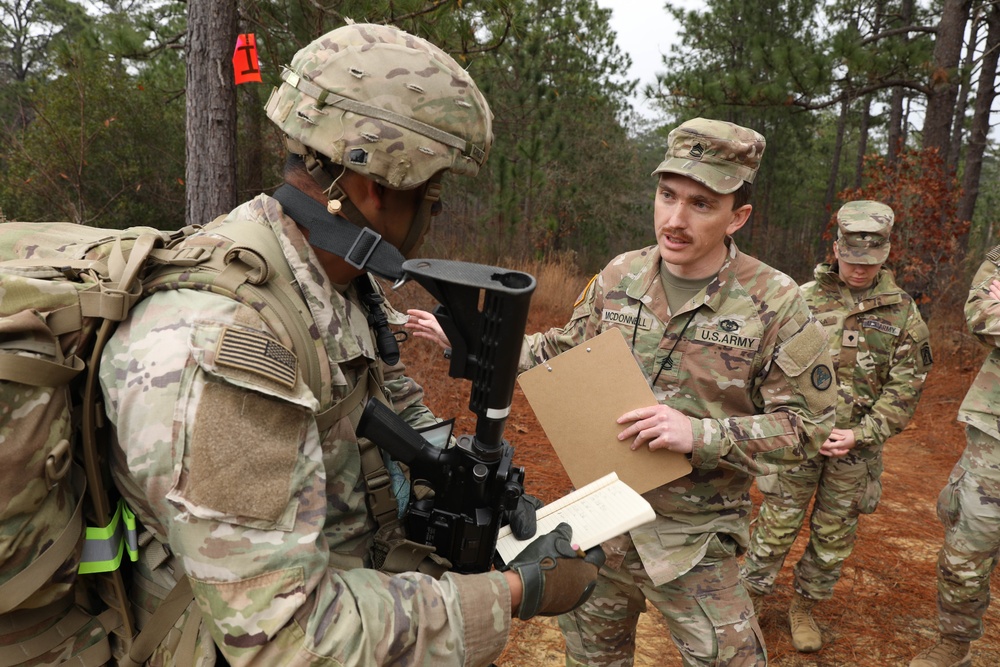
column 802, row 350
column 243, row 444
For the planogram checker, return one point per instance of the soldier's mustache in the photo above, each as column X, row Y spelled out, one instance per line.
column 678, row 236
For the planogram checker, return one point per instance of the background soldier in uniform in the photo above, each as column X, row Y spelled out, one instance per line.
column 969, row 505
column 882, row 355
column 755, row 405
column 258, row 504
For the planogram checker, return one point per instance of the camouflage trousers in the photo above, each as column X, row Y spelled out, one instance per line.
column 708, row 611
column 844, row 487
column 969, row 509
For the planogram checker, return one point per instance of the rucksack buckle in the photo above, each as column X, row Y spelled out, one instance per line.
column 364, row 245
column 191, row 255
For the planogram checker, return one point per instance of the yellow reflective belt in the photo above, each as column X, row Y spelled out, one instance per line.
column 103, row 548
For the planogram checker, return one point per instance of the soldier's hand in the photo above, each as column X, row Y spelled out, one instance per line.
column 522, row 517
column 556, row 578
column 994, row 289
column 840, row 441
column 424, row 325
column 659, row 427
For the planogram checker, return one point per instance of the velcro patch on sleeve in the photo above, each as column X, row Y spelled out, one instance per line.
column 258, row 353
column 244, row 448
column 801, row 350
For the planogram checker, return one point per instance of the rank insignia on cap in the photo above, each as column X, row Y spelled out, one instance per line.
column 258, row 353
column 696, row 151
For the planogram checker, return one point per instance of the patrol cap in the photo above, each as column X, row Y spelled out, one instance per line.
column 863, row 229
column 717, row 154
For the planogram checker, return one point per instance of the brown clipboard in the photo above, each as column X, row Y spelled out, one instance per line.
column 578, row 396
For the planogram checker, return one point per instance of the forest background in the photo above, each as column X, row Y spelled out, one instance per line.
column 118, row 113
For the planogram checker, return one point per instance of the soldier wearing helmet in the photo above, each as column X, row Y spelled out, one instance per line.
column 248, row 478
column 881, row 351
column 742, row 377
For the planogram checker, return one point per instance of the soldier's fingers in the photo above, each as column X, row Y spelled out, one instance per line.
column 639, row 414
column 640, row 438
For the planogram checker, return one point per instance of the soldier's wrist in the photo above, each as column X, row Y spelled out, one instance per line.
column 516, row 590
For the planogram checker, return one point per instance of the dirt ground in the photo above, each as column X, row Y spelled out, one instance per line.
column 883, row 609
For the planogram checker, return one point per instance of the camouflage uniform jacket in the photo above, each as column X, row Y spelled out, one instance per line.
column 747, row 364
column 881, row 351
column 981, row 407
column 222, row 460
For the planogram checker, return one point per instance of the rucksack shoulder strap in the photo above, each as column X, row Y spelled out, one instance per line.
column 253, row 269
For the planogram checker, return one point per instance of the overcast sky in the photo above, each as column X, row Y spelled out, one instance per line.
column 645, row 31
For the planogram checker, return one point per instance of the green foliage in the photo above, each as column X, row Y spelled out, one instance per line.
column 100, row 138
column 92, row 114
column 562, row 157
column 985, row 231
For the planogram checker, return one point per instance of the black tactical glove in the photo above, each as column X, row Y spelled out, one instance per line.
column 522, row 517
column 555, row 578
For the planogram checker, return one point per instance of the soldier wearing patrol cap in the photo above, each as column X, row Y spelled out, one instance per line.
column 882, row 355
column 969, row 504
column 743, row 380
column 250, row 481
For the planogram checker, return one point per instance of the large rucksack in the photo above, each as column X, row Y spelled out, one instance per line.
column 63, row 290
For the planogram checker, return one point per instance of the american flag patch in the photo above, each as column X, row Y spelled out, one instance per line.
column 257, row 353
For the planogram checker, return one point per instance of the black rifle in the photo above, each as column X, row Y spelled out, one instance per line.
column 476, row 482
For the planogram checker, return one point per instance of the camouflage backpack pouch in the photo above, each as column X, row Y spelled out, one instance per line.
column 56, row 292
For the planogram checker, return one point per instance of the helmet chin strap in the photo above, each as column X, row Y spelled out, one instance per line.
column 322, row 172
column 422, row 218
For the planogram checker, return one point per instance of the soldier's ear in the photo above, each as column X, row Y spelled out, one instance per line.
column 376, row 193
column 740, row 217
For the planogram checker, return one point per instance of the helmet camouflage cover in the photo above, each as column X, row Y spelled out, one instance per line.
column 386, row 104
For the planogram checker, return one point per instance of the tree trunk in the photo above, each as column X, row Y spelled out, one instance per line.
column 897, row 134
column 985, row 94
column 211, row 111
column 866, row 117
column 964, row 93
column 944, row 78
column 250, row 142
column 831, row 185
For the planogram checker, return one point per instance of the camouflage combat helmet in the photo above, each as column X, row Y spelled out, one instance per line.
column 385, row 104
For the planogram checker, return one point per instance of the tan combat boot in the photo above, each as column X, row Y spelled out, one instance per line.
column 946, row 653
column 806, row 636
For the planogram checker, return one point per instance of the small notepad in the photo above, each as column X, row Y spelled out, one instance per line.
column 603, row 509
